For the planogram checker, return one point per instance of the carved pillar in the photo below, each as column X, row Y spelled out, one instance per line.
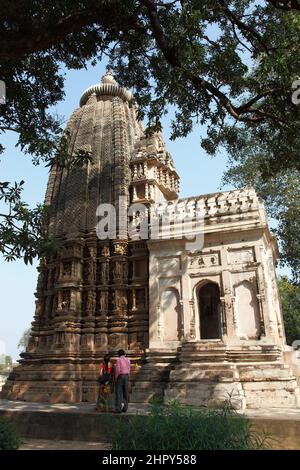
column 133, row 300
column 261, row 298
column 181, row 333
column 229, row 318
column 234, row 315
column 145, row 169
column 265, row 308
column 193, row 320
column 159, row 323
column 89, row 293
column 102, row 298
column 223, row 312
column 138, row 319
column 134, row 196
column 118, row 317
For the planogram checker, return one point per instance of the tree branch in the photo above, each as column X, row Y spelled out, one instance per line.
column 53, row 32
column 244, row 113
column 243, row 27
column 286, row 5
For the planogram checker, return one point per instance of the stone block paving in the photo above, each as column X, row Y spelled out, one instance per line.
column 45, row 444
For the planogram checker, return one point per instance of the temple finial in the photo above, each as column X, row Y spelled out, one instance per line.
column 108, row 77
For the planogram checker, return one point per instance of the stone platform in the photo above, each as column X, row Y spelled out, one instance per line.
column 63, row 421
column 48, row 444
column 79, row 422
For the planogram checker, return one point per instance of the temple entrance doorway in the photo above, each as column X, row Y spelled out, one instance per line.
column 209, row 308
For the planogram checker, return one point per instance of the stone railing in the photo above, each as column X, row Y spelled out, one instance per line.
column 192, row 215
column 224, row 203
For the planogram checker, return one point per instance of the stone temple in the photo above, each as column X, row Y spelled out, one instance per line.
column 199, row 325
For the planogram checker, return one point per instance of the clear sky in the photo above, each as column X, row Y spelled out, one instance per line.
column 199, row 174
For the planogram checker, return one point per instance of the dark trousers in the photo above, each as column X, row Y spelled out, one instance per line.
column 122, row 392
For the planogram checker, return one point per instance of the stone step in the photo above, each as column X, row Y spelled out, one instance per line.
column 144, row 392
column 197, row 352
column 200, row 375
column 203, row 346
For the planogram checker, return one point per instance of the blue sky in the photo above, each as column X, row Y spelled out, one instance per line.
column 199, row 174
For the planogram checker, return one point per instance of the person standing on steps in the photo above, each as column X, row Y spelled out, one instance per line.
column 122, row 372
column 106, row 386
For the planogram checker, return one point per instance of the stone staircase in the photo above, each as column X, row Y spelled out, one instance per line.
column 152, row 378
column 253, row 376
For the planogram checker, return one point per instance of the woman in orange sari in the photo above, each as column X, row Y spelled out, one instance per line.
column 105, row 401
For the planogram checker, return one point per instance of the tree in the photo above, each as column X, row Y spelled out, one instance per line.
column 228, row 64
column 5, row 363
column 281, row 196
column 8, row 361
column 23, row 343
column 290, row 299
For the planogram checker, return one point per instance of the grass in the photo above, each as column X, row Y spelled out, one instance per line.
column 9, row 438
column 179, row 427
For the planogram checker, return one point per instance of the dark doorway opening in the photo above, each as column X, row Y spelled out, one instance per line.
column 209, row 307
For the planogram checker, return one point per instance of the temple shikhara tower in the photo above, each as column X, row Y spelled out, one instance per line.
column 199, row 325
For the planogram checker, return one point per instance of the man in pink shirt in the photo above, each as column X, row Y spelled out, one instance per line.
column 122, row 371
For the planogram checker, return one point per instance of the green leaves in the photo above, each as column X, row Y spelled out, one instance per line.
column 24, row 340
column 23, row 231
column 281, row 195
column 179, row 427
column 63, row 159
column 290, row 302
column 9, row 438
column 225, row 64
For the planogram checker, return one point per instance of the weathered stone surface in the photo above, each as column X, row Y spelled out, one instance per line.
column 201, row 322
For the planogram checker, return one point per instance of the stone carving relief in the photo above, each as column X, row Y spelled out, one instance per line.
column 91, row 299
column 119, row 249
column 105, row 251
column 103, row 301
column 119, row 300
column 67, row 269
column 65, row 300
column 205, row 260
column 104, row 273
column 120, row 270
column 92, row 270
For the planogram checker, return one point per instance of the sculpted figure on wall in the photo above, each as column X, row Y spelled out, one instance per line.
column 104, row 273
column 103, row 301
column 120, row 249
column 90, row 305
column 105, row 251
column 92, row 270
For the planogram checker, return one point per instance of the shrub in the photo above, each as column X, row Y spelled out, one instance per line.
column 9, row 439
column 179, row 427
column 290, row 300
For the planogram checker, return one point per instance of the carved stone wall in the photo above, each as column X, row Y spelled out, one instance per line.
column 92, row 296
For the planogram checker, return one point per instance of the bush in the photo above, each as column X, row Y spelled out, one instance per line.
column 9, row 439
column 179, row 427
column 290, row 301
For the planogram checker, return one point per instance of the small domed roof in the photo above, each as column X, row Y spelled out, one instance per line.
column 107, row 87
